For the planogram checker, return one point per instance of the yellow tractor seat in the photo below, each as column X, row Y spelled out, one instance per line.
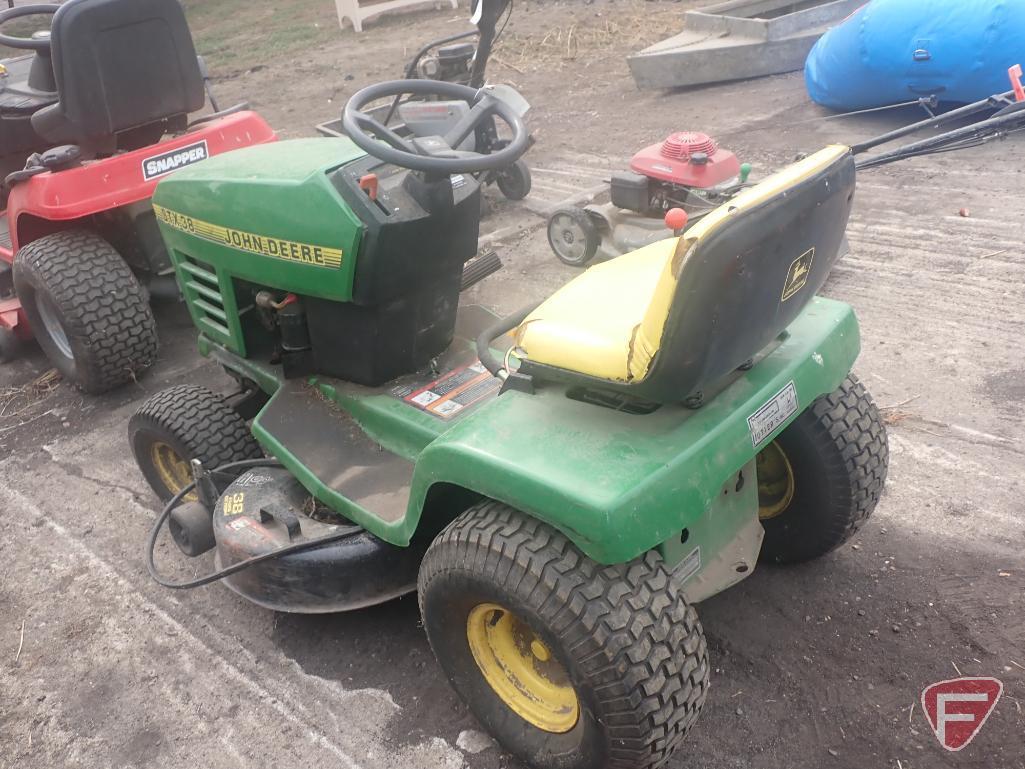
column 665, row 320
column 590, row 324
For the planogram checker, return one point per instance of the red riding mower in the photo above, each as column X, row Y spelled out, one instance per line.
column 89, row 123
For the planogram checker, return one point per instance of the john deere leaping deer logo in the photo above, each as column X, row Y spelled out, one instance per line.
column 800, row 268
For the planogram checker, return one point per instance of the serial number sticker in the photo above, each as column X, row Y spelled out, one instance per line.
column 457, row 390
column 769, row 417
column 689, row 566
column 261, row 245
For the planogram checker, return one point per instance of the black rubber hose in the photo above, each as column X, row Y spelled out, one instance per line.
column 342, row 533
column 495, row 330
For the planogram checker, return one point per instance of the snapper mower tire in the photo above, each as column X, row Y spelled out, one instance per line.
column 569, row 664
column 183, row 423
column 10, row 345
column 821, row 479
column 86, row 309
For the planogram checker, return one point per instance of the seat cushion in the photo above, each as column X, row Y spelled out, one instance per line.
column 591, row 324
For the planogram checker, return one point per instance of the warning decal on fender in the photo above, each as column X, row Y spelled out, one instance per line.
column 452, row 392
column 780, row 407
column 159, row 165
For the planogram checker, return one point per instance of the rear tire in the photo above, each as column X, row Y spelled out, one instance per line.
column 568, row 663
column 183, row 423
column 573, row 236
column 86, row 309
column 836, row 457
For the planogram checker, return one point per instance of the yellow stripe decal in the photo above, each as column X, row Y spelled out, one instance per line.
column 261, row 245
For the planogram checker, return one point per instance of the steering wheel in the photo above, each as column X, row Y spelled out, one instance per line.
column 434, row 154
column 41, row 44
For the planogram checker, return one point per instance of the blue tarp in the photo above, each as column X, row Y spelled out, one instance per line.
column 893, row 51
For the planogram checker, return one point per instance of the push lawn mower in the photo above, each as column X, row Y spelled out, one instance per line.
column 688, row 170
column 561, row 486
column 89, row 122
column 457, row 59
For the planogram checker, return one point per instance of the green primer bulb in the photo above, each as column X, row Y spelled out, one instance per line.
column 745, row 171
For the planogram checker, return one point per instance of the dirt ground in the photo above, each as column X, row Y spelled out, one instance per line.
column 815, row 666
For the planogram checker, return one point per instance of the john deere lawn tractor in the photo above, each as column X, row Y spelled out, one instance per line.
column 561, row 486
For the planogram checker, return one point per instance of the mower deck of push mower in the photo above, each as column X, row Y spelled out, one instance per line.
column 687, row 170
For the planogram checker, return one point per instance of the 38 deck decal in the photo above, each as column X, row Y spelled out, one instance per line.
column 261, row 245
column 162, row 164
column 774, row 413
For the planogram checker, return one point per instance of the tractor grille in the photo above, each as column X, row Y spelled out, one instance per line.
column 202, row 290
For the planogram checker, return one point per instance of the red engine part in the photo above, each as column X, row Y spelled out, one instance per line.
column 687, row 158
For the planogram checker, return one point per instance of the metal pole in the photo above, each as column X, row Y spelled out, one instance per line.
column 993, row 102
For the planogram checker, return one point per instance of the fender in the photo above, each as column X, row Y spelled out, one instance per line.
column 103, row 185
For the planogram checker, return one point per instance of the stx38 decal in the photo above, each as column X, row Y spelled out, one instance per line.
column 261, row 245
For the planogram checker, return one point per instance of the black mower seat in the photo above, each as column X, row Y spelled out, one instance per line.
column 19, row 100
column 119, row 65
column 662, row 322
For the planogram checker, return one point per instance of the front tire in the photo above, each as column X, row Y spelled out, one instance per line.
column 86, row 309
column 514, row 182
column 821, row 479
column 183, row 423
column 568, row 663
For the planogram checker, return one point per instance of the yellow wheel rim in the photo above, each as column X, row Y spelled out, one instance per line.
column 521, row 669
column 173, row 470
column 775, row 481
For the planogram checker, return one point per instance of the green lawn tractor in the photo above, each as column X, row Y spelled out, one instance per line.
column 561, row 486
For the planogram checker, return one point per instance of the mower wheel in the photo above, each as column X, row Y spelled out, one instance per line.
column 573, row 236
column 10, row 345
column 192, row 529
column 514, row 182
column 183, row 423
column 86, row 308
column 568, row 663
column 820, row 480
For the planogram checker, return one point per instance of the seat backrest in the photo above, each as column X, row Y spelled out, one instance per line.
column 120, row 65
column 741, row 275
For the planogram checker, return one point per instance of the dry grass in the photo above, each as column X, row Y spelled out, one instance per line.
column 15, row 401
column 238, row 35
column 599, row 32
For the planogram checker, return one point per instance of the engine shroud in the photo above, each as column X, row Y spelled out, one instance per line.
column 687, row 159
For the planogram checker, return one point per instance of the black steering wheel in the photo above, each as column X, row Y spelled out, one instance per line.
column 434, row 154
column 40, row 44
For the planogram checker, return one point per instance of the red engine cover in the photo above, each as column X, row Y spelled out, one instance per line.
column 672, row 161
